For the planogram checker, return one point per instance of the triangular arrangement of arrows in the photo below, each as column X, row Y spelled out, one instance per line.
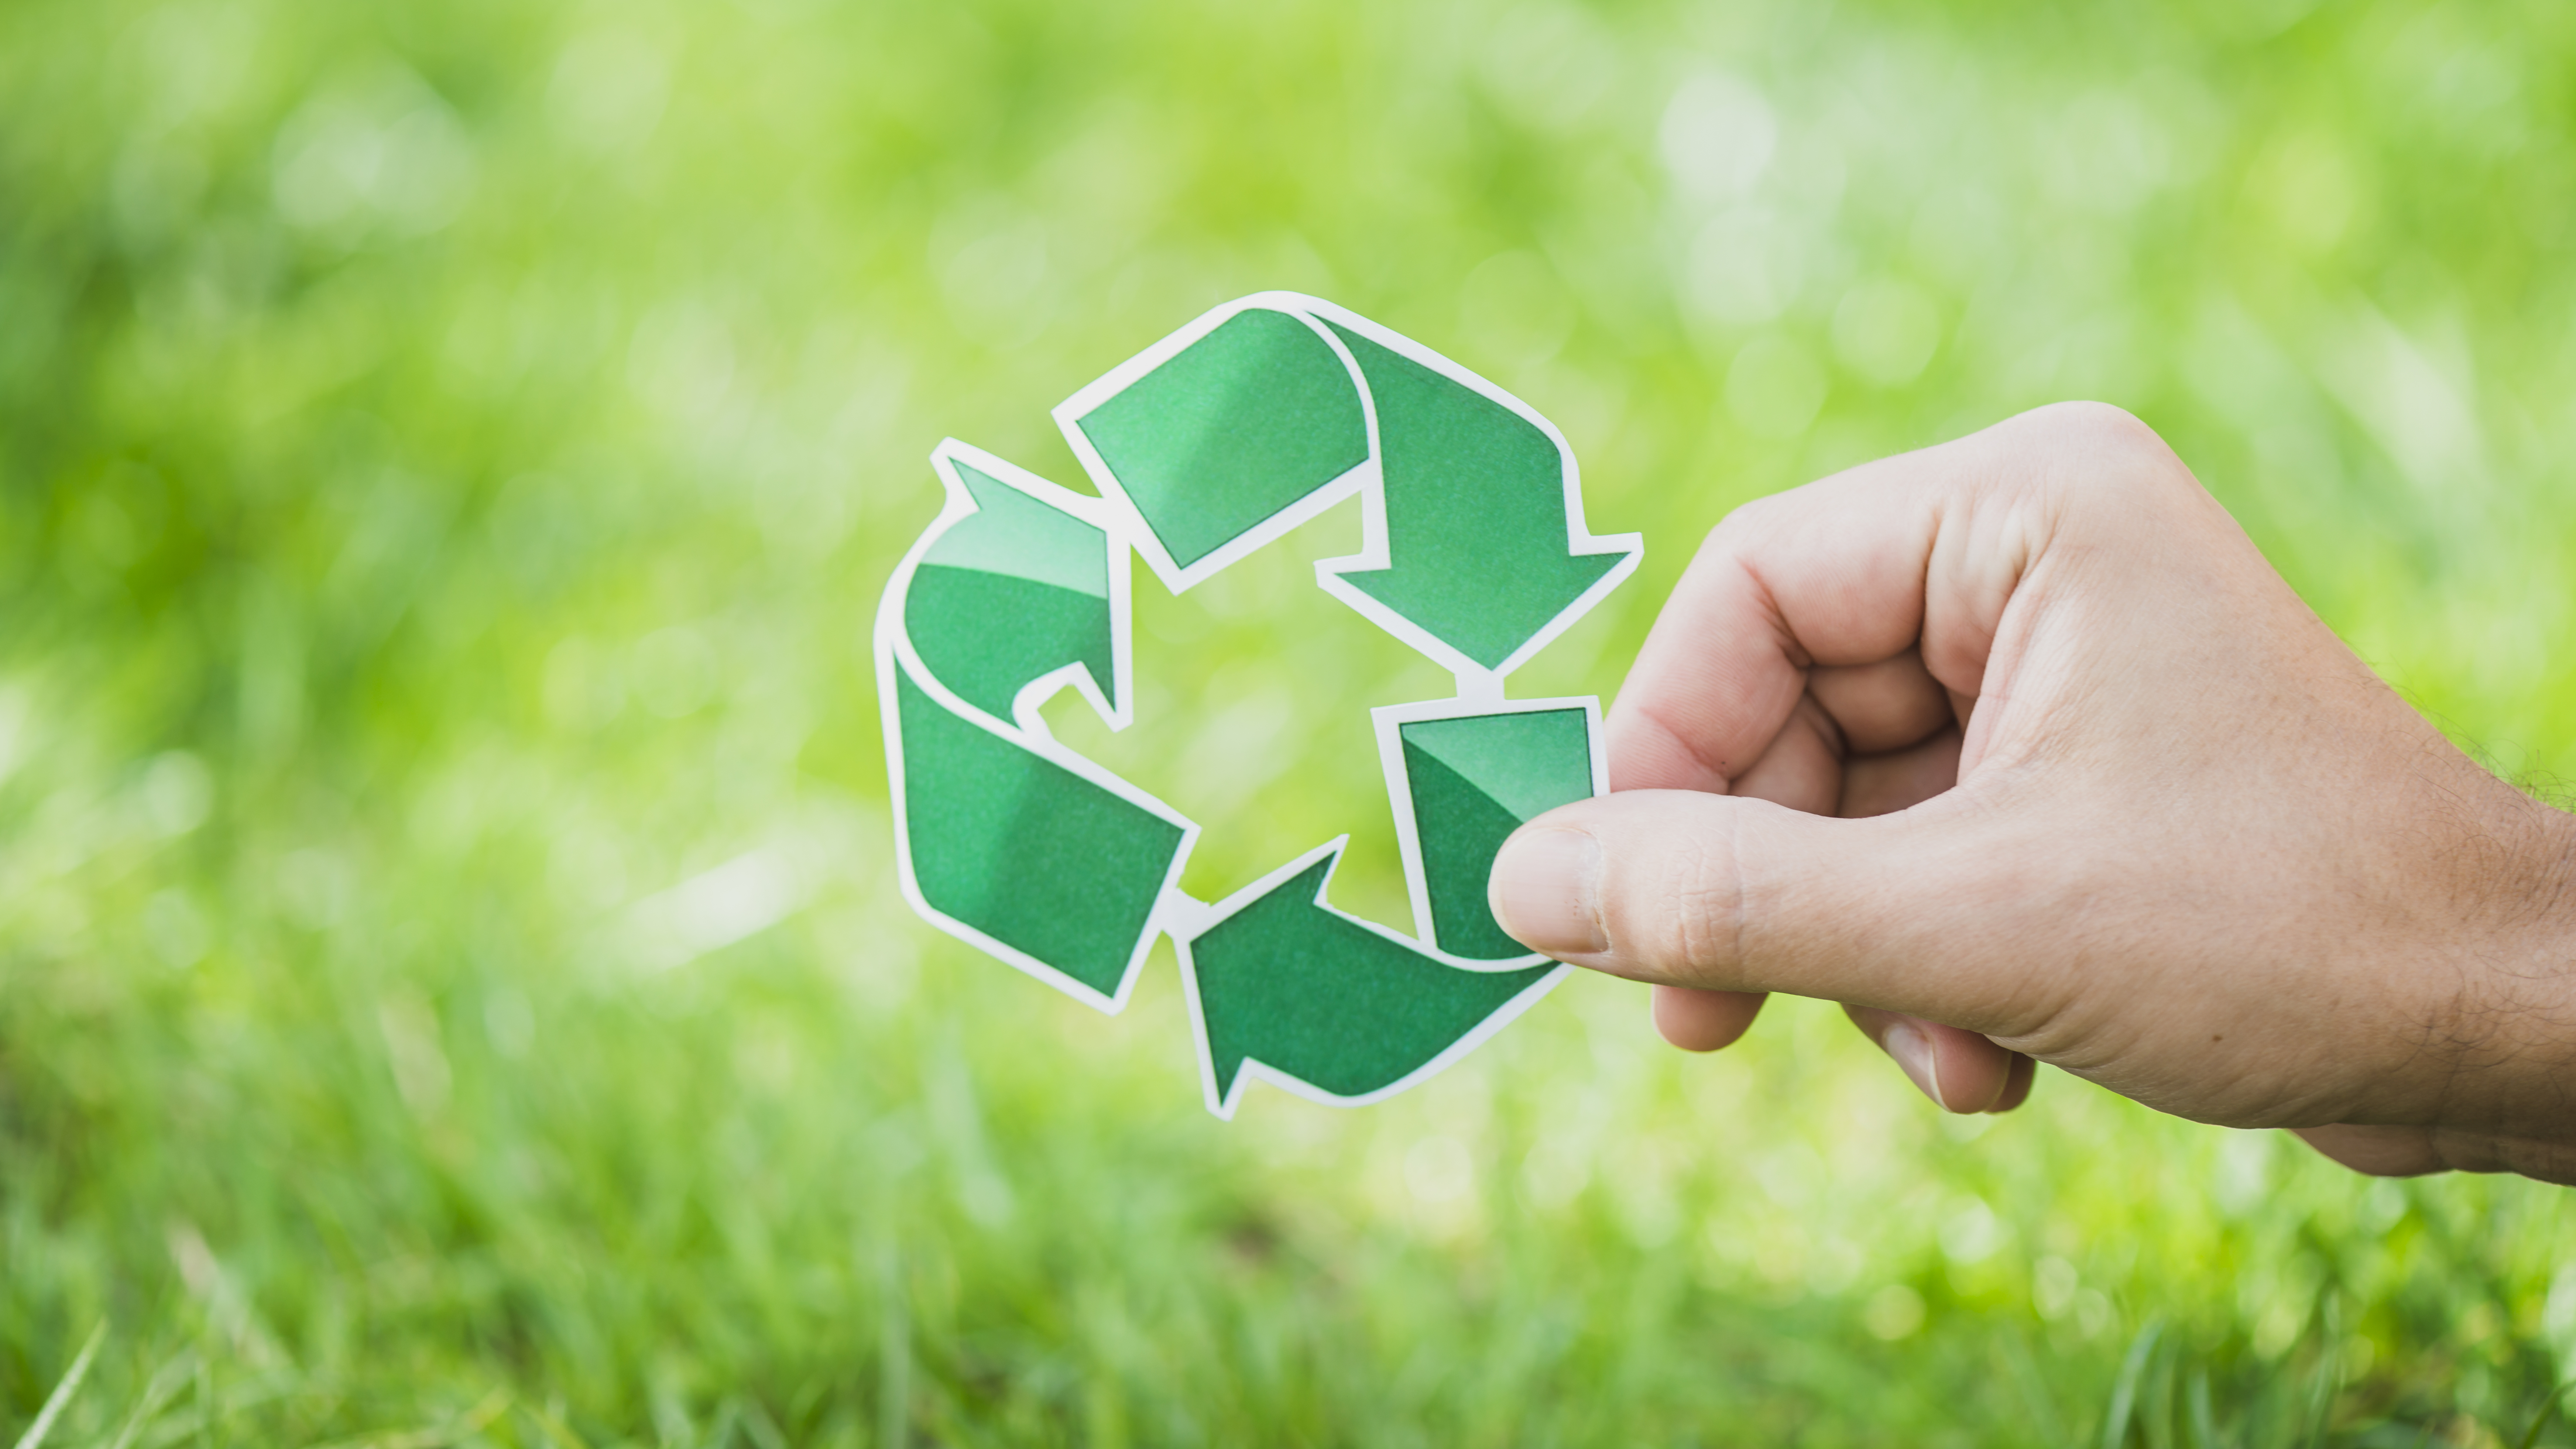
column 1207, row 446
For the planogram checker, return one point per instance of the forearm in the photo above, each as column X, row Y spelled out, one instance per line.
column 2482, row 1075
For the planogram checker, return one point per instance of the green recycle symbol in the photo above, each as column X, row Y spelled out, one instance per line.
column 1205, row 447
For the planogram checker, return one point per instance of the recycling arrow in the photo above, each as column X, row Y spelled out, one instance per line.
column 1005, row 838
column 1278, row 978
column 1268, row 410
column 1205, row 447
column 1473, row 548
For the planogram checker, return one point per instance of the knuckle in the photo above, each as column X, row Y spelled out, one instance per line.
column 2114, row 447
column 1682, row 918
column 2091, row 455
column 1731, row 532
column 2105, row 423
column 2095, row 434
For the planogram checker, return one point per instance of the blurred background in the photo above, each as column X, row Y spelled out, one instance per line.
column 452, row 984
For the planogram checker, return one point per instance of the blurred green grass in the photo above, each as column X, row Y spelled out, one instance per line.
column 451, row 984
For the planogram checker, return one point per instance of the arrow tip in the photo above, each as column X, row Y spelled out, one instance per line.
column 1262, row 915
column 1013, row 591
column 1482, row 549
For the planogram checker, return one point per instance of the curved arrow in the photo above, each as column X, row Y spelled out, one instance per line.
column 1003, row 836
column 1271, row 408
column 1223, row 436
column 1284, row 987
column 1478, row 543
column 1010, row 593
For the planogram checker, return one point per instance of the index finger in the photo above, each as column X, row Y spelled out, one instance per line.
column 1853, row 569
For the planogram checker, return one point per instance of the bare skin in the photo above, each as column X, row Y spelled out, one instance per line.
column 2019, row 748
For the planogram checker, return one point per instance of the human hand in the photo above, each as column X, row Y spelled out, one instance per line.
column 2019, row 748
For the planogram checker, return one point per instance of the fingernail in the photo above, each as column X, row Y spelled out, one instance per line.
column 1913, row 1051
column 1546, row 891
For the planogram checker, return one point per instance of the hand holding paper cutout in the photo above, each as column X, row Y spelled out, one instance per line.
column 2019, row 747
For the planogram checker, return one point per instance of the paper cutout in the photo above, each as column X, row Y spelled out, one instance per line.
column 1206, row 447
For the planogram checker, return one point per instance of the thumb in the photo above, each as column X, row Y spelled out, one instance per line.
column 1727, row 893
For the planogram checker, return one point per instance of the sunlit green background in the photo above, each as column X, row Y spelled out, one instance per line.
column 452, row 984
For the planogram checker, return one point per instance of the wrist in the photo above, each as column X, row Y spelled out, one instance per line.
column 2511, row 1027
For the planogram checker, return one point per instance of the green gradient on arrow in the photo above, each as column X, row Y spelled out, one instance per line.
column 1474, row 780
column 1231, row 430
column 1011, row 591
column 1326, row 1000
column 1475, row 512
column 1025, row 850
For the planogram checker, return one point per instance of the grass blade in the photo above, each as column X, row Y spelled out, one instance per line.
column 2124, row 1394
column 2548, row 1411
column 163, row 1387
column 61, row 1398
column 2204, row 1426
column 894, row 1361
